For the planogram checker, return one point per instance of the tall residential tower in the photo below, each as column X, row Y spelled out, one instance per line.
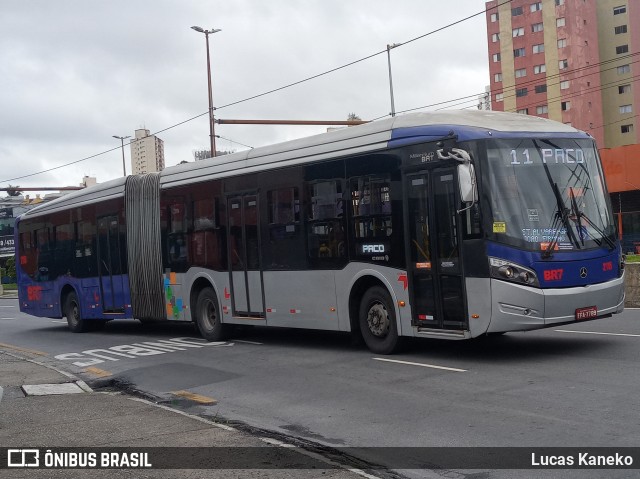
column 568, row 60
column 147, row 153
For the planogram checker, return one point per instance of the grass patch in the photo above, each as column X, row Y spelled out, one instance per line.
column 10, row 287
column 633, row 258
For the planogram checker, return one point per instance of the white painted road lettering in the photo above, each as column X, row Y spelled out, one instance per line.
column 409, row 363
column 91, row 357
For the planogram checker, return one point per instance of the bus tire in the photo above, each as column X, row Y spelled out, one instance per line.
column 208, row 317
column 378, row 321
column 77, row 324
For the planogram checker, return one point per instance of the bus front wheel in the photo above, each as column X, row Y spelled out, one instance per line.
column 208, row 317
column 378, row 321
column 74, row 318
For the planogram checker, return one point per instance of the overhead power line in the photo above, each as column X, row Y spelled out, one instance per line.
column 475, row 96
column 557, row 77
column 253, row 97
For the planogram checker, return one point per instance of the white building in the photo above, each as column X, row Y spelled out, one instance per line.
column 147, row 153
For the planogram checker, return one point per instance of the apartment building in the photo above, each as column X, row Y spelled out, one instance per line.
column 147, row 153
column 577, row 62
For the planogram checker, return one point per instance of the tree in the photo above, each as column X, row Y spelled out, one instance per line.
column 353, row 116
column 11, row 267
column 12, row 191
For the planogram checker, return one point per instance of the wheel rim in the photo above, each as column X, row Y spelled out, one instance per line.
column 209, row 315
column 378, row 320
column 74, row 314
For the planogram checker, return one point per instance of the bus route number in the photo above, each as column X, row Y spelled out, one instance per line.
column 548, row 155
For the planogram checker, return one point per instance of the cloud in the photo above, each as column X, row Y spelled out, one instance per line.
column 75, row 72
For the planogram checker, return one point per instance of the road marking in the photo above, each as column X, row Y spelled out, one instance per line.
column 246, row 342
column 7, row 306
column 23, row 350
column 421, row 364
column 63, row 322
column 196, row 397
column 7, row 318
column 101, row 373
column 594, row 332
column 91, row 357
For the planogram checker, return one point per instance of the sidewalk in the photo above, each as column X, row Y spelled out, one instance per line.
column 82, row 417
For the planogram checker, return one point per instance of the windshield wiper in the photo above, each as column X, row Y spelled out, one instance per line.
column 562, row 215
column 579, row 215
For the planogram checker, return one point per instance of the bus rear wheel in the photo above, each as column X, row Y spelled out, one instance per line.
column 208, row 317
column 378, row 321
column 74, row 318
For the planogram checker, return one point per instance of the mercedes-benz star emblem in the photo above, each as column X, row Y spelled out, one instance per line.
column 583, row 272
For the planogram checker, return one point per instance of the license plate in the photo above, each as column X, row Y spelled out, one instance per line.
column 586, row 313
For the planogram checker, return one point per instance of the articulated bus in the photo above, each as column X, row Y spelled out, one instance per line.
column 441, row 225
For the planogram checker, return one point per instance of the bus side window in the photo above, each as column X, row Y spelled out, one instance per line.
column 27, row 254
column 44, row 254
column 325, row 232
column 283, row 218
column 205, row 241
column 85, row 258
column 177, row 240
column 371, row 204
column 63, row 252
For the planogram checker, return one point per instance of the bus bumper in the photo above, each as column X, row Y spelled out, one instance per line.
column 518, row 308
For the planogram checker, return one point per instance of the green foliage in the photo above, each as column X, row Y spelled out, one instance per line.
column 11, row 267
column 633, row 258
column 12, row 191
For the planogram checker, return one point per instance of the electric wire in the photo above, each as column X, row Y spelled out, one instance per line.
column 289, row 85
column 474, row 97
column 521, row 84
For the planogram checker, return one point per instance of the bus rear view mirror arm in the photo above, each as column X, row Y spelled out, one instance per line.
column 466, row 175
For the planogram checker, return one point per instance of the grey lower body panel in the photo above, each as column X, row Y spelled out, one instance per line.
column 516, row 307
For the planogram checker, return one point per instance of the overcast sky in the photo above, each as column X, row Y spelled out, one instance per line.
column 76, row 72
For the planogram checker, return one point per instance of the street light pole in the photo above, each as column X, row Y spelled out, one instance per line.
column 122, row 138
column 389, row 47
column 212, row 135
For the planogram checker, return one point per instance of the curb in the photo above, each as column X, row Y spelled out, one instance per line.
column 309, row 449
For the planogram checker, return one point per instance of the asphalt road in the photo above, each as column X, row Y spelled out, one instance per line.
column 576, row 385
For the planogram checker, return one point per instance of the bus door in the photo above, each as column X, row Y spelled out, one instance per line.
column 243, row 243
column 434, row 266
column 110, row 264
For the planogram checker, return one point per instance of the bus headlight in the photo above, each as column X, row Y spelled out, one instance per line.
column 508, row 271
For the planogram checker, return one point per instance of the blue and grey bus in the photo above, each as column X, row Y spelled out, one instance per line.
column 437, row 225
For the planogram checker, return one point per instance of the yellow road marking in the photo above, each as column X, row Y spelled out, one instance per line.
column 196, row 397
column 23, row 350
column 101, row 373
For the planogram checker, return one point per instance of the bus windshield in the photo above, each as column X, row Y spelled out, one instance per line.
column 547, row 195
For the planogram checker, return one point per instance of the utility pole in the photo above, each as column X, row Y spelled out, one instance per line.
column 122, row 138
column 389, row 47
column 212, row 135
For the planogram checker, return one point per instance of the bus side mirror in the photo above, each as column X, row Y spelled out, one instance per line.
column 467, row 183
